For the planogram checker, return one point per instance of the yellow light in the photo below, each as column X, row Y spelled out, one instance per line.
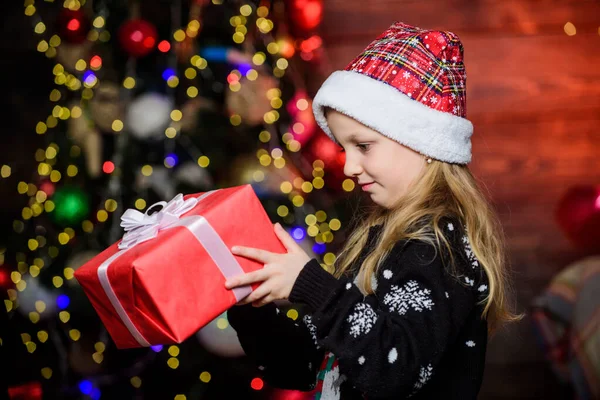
column 46, row 372
column 173, row 363
column 136, row 382
column 49, row 206
column 87, row 226
column 298, row 201
column 203, row 161
column 348, row 185
column 80, row 65
column 32, row 244
column 276, row 103
column 21, row 285
column 265, row 160
column 55, row 41
column 98, row 22
column 30, row 10
column 180, row 397
column 273, row 48
column 51, row 122
column 252, row 75
column 200, row 63
column 147, row 170
column 570, row 29
column 63, row 238
column 179, row 35
column 194, row 25
column 100, row 347
column 278, row 73
column 329, row 258
column 264, row 136
column 18, row 226
column 282, row 63
column 235, row 86
column 176, row 115
column 101, row 215
column 30, row 345
column 104, row 36
column 40, row 306
column 192, row 92
column 68, row 273
column 31, row 189
column 170, row 132
column 262, row 11
column 26, row 213
column 55, row 176
column 292, row 314
column 286, row 187
column 8, row 304
column 259, row 58
column 74, row 334
column 173, row 351
column 235, row 120
column 39, row 28
column 98, row 357
column 310, row 219
column 76, row 112
column 129, row 83
column 190, row 73
column 235, row 21
column 64, row 316
column 72, row 170
column 173, row 82
column 238, row 37
column 245, row 10
column 205, row 376
column 43, row 169
column 110, row 205
column 41, row 128
column 42, row 336
column 293, row 145
column 335, row 224
column 282, row 211
column 140, row 204
column 258, row 176
column 307, row 187
column 5, row 171
column 33, row 316
column 34, row 271
column 15, row 276
column 51, row 153
column 22, row 187
column 279, row 163
column 117, row 125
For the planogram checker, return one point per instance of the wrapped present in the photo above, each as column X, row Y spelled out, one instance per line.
column 165, row 279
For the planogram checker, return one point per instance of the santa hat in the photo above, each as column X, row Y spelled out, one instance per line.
column 409, row 84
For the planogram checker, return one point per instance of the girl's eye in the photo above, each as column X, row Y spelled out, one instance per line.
column 363, row 146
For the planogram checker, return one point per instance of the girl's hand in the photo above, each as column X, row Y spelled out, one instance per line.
column 278, row 275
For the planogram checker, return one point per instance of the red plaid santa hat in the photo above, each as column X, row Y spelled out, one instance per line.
column 409, row 84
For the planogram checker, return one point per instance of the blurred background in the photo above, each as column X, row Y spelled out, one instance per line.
column 115, row 104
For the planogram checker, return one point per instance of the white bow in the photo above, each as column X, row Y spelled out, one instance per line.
column 140, row 227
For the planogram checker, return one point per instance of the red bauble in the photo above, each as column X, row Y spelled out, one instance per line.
column 305, row 15
column 73, row 25
column 138, row 37
column 578, row 214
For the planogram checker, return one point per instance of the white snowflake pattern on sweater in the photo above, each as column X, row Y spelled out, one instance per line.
column 311, row 328
column 411, row 295
column 469, row 252
column 424, row 376
column 362, row 319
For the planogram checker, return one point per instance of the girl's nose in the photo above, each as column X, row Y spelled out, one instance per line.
column 352, row 168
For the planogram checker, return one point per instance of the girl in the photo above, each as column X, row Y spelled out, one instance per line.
column 422, row 279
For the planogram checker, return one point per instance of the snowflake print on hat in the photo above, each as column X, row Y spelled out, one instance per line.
column 362, row 320
column 409, row 296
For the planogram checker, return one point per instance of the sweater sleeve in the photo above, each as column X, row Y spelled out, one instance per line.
column 285, row 350
column 389, row 344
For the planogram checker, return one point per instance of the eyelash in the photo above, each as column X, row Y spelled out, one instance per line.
column 361, row 146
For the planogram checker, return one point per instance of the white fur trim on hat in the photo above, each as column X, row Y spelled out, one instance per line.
column 387, row 110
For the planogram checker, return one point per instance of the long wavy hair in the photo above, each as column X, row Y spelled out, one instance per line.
column 442, row 190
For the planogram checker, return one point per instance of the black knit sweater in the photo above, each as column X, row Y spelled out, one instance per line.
column 420, row 335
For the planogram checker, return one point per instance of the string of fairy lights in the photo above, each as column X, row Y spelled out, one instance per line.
column 67, row 206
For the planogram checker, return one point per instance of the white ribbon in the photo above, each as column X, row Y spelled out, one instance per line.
column 140, row 227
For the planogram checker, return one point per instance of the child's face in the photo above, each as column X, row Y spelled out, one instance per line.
column 382, row 167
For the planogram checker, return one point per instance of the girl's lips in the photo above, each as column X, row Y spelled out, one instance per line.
column 366, row 186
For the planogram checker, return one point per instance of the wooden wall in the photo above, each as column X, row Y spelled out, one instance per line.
column 534, row 98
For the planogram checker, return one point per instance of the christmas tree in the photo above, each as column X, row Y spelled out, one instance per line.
column 146, row 100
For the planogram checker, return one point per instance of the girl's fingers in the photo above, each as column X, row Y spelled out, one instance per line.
column 256, row 295
column 247, row 279
column 259, row 255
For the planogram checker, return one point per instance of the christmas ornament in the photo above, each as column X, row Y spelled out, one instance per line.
column 138, row 37
column 73, row 25
column 251, row 101
column 71, row 206
column 305, row 15
column 149, row 115
column 578, row 214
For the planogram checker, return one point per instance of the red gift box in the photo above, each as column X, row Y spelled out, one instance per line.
column 166, row 278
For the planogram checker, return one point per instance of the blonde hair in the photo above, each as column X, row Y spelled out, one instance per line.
column 442, row 190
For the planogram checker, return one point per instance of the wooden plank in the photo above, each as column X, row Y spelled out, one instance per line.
column 360, row 20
